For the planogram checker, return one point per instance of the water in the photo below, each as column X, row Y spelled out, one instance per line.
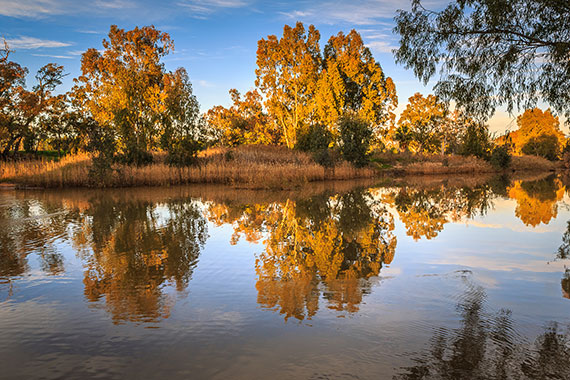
column 460, row 278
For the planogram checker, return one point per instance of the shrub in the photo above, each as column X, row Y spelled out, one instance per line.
column 355, row 136
column 316, row 138
column 476, row 141
column 182, row 152
column 500, row 157
column 544, row 146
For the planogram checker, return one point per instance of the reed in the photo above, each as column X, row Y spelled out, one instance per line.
column 260, row 167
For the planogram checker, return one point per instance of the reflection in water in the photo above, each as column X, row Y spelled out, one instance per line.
column 324, row 245
column 537, row 201
column 28, row 227
column 487, row 346
column 323, row 248
column 424, row 212
column 130, row 254
column 133, row 249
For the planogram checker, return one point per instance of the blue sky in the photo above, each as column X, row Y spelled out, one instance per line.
column 214, row 40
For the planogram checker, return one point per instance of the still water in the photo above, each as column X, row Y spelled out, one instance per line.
column 460, row 278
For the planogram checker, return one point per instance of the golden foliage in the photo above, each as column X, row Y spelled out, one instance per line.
column 337, row 241
column 537, row 201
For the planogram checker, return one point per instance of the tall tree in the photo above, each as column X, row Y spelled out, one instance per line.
column 287, row 74
column 123, row 87
column 491, row 52
column 352, row 81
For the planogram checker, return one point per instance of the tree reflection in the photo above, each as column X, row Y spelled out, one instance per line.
column 489, row 347
column 132, row 250
column 31, row 227
column 537, row 201
column 325, row 246
column 424, row 212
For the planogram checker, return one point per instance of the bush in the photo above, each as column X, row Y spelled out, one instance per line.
column 326, row 157
column 315, row 139
column 182, row 152
column 476, row 141
column 500, row 157
column 544, row 146
column 355, row 136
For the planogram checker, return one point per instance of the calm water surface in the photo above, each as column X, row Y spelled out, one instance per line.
column 455, row 279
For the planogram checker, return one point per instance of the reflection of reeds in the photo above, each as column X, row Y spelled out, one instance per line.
column 246, row 166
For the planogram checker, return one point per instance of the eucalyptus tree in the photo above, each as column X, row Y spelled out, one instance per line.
column 490, row 52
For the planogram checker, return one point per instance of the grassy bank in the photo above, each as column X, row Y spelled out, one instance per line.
column 254, row 167
column 421, row 164
column 244, row 166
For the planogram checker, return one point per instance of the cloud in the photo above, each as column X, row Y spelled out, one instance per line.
column 30, row 8
column 36, row 9
column 356, row 12
column 202, row 8
column 34, row 43
column 205, row 83
column 115, row 4
column 54, row 56
column 381, row 46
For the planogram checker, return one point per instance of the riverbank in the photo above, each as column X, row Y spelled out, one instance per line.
column 254, row 167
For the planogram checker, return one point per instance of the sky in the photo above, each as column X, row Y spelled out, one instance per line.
column 215, row 41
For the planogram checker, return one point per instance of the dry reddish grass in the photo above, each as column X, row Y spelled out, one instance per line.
column 254, row 167
column 534, row 163
column 422, row 164
column 247, row 166
column 455, row 165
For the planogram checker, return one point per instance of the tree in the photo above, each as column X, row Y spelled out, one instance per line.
column 245, row 122
column 539, row 133
column 124, row 88
column 491, row 52
column 475, row 140
column 183, row 126
column 352, row 81
column 355, row 139
column 21, row 109
column 424, row 117
column 287, row 74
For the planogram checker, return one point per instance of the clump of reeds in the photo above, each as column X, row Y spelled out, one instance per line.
column 534, row 163
column 245, row 166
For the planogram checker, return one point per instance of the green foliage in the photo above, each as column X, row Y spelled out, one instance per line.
column 183, row 152
column 500, row 157
column 404, row 136
column 476, row 141
column 102, row 144
column 317, row 137
column 545, row 146
column 483, row 48
column 355, row 137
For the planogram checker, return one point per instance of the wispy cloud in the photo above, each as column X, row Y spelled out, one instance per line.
column 355, row 12
column 54, row 56
column 203, row 8
column 115, row 4
column 30, row 8
column 381, row 46
column 90, row 31
column 25, row 43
